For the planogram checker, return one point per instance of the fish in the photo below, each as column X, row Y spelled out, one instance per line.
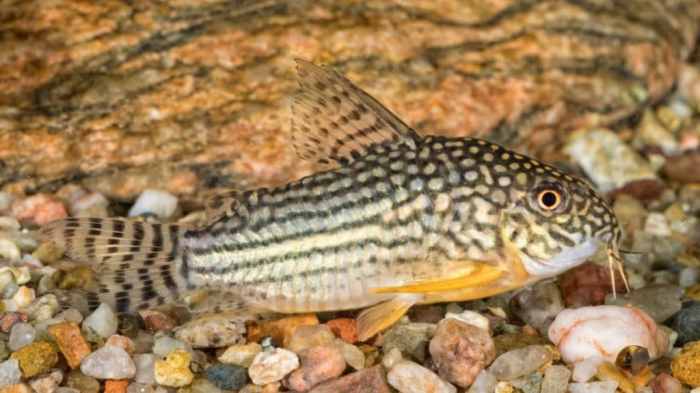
column 392, row 218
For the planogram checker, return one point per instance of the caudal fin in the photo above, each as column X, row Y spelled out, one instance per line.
column 138, row 265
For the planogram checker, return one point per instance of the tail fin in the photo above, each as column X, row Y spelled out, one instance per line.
column 138, row 265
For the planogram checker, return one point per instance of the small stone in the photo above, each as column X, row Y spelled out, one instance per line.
column 686, row 366
column 587, row 285
column 460, row 351
column 305, row 337
column 585, row 369
column 108, row 362
column 9, row 319
column 344, row 328
column 531, row 383
column 353, row 356
column 520, row 362
column 10, row 373
column 140, row 388
column 39, row 209
column 123, row 342
column 200, row 385
column 156, row 321
column 410, row 338
column 370, row 380
column 485, row 382
column 659, row 301
column 273, row 365
column 652, row 133
column 70, row 341
column 269, row 388
column 538, row 305
column 212, row 332
column 683, row 168
column 36, row 358
column 687, row 322
column 43, row 308
column 116, row 386
column 510, row 341
column 129, row 324
column 174, row 371
column 280, row 330
column 47, row 383
column 17, row 388
column 62, row 389
column 77, row 278
column 159, row 203
column 391, row 358
column 593, row 387
column 688, row 277
column 21, row 334
column 471, row 318
column 240, row 354
column 608, row 372
column 227, row 376
column 318, row 364
column 163, row 345
column 48, row 252
column 9, row 250
column 103, row 321
column 82, row 382
column 21, row 299
column 145, row 365
column 410, row 377
column 556, row 378
column 89, row 204
column 664, row 383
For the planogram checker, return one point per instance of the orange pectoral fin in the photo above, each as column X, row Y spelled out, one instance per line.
column 380, row 316
column 479, row 274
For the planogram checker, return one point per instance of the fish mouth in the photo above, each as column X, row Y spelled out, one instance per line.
column 568, row 258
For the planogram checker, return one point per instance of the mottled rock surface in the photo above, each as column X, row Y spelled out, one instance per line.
column 187, row 96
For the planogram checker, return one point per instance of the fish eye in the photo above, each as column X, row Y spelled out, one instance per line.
column 549, row 199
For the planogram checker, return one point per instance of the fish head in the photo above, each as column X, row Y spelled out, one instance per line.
column 557, row 221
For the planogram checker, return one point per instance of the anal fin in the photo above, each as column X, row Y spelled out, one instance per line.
column 380, row 316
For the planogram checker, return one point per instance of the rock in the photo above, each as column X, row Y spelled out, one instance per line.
column 460, row 351
column 48, row 252
column 89, row 204
column 36, row 358
column 62, row 389
column 683, row 168
column 10, row 373
column 353, row 356
column 9, row 250
column 280, row 330
column 21, row 334
column 47, row 383
column 156, row 321
column 519, row 362
column 659, row 301
column 163, row 345
column 318, row 364
column 70, row 341
column 531, row 383
column 201, row 385
column 410, row 338
column 21, row 299
column 664, row 383
column 587, row 285
column 9, row 319
column 585, row 369
column 344, row 328
column 39, row 209
column 485, row 382
column 123, row 342
column 511, row 341
column 240, row 354
column 174, row 371
column 116, row 386
column 652, row 133
column 409, row 377
column 471, row 318
column 103, row 322
column 608, row 372
column 392, row 357
column 686, row 366
column 538, row 305
column 688, row 277
column 556, row 379
column 44, row 308
column 82, row 382
column 593, row 387
column 145, row 364
column 227, row 376
column 17, row 388
column 162, row 204
column 370, row 380
column 108, row 362
column 306, row 337
column 273, row 365
column 212, row 332
column 687, row 322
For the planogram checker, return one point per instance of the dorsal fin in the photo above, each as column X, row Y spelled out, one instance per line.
column 334, row 121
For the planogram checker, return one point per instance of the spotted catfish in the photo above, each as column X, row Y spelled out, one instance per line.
column 392, row 219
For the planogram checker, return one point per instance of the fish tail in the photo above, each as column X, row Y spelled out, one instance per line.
column 137, row 265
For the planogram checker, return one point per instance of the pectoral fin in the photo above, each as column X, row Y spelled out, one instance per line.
column 380, row 316
column 475, row 274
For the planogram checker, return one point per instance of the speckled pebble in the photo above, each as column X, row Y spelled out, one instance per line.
column 212, row 332
column 47, row 383
column 410, row 338
column 305, row 337
column 520, row 362
column 410, row 377
column 108, row 362
column 273, row 365
column 36, row 358
column 174, row 371
column 227, row 376
column 485, row 382
column 686, row 366
column 687, row 322
column 318, row 364
column 82, row 382
column 240, row 354
column 116, row 386
column 70, row 341
column 556, row 378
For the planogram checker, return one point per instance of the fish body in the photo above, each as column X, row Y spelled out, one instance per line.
column 392, row 219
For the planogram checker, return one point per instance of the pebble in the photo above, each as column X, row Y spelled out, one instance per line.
column 603, row 331
column 471, row 318
column 280, row 330
column 410, row 338
column 159, row 203
column 661, row 302
column 116, row 386
column 102, row 322
column 156, row 321
column 585, row 369
column 555, row 380
column 123, row 342
column 652, row 133
column 344, row 328
column 519, row 362
column 38, row 209
column 43, row 308
column 240, row 354
column 17, row 388
column 164, row 344
column 130, row 325
column 687, row 322
column 174, row 371
column 212, row 332
column 686, row 366
column 21, row 334
column 9, row 250
column 91, row 204
column 305, row 337
column 485, row 382
column 82, row 382
column 108, row 362
column 531, row 383
column 139, row 388
column 21, row 299
column 510, row 341
column 688, row 277
column 47, row 383
column 353, row 355
column 273, row 365
column 664, row 383
column 410, row 377
column 10, row 373
column 145, row 364
column 227, row 376
column 683, row 168
column 608, row 372
column 593, row 387
column 460, row 350
column 587, row 285
column 36, row 358
column 9, row 319
column 538, row 305
column 391, row 357
column 369, row 380
column 200, row 385
column 318, row 364
column 70, row 342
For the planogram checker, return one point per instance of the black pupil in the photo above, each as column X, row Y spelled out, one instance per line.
column 549, row 199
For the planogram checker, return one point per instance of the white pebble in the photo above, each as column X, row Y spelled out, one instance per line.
column 10, row 373
column 7, row 222
column 160, row 203
column 586, row 369
column 9, row 250
column 144, row 368
column 689, row 276
column 102, row 321
column 47, row 383
column 471, row 318
column 273, row 365
column 485, row 382
column 410, row 377
column 593, row 387
column 21, row 334
column 353, row 356
column 166, row 344
column 391, row 358
column 657, row 224
column 108, row 362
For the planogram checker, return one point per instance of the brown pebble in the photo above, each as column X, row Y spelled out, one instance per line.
column 344, row 328
column 156, row 321
column 664, row 383
column 38, row 209
column 280, row 330
column 318, row 364
column 9, row 320
column 116, row 386
column 683, row 168
column 369, row 380
column 587, row 285
column 70, row 341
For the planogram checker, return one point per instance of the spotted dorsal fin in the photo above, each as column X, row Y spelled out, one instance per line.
column 334, row 121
